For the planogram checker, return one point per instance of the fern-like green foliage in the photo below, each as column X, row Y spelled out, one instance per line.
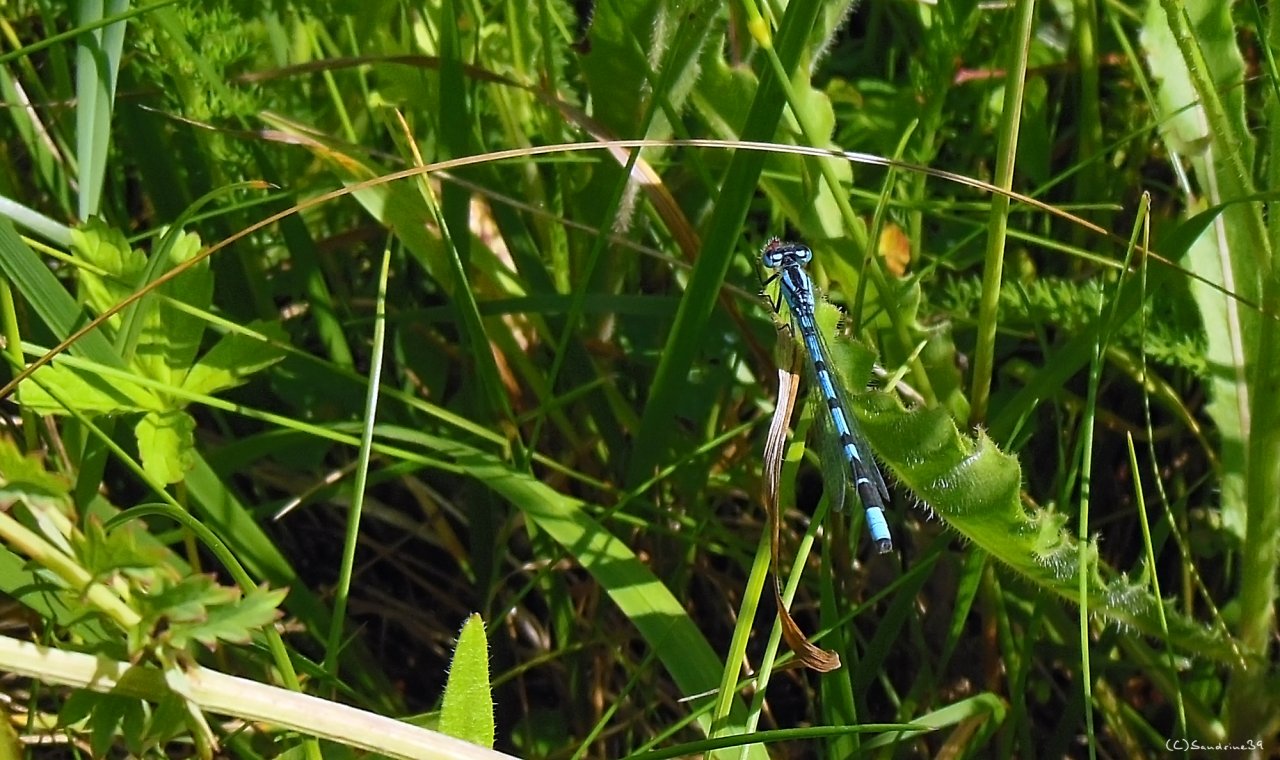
column 117, row 592
column 153, row 606
column 1172, row 335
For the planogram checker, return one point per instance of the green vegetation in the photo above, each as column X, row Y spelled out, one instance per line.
column 330, row 327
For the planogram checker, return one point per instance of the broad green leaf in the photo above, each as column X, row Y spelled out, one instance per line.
column 467, row 711
column 1226, row 255
column 10, row 745
column 234, row 358
column 112, row 266
column 792, row 182
column 398, row 205
column 49, row 299
column 89, row 393
column 685, row 339
column 168, row 720
column 170, row 336
column 1184, row 121
column 168, row 340
column 106, row 720
column 1228, row 389
column 630, row 42
column 133, row 727
column 166, row 442
column 976, row 489
column 77, row 708
column 24, row 475
column 632, row 586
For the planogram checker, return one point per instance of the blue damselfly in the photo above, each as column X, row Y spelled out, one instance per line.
column 788, row 261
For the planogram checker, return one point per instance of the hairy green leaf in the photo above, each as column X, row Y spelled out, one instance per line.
column 467, row 712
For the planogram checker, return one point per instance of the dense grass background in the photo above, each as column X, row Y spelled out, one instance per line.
column 378, row 314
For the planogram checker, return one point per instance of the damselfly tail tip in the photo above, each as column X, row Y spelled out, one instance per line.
column 878, row 527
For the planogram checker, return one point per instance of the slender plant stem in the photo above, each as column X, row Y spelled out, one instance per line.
column 997, row 226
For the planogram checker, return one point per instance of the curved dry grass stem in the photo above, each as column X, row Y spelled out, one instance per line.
column 608, row 145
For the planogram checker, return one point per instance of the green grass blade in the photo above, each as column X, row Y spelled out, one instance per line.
column 997, row 225
column 98, row 55
column 720, row 244
column 650, row 606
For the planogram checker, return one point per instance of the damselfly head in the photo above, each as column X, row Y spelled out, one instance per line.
column 778, row 254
